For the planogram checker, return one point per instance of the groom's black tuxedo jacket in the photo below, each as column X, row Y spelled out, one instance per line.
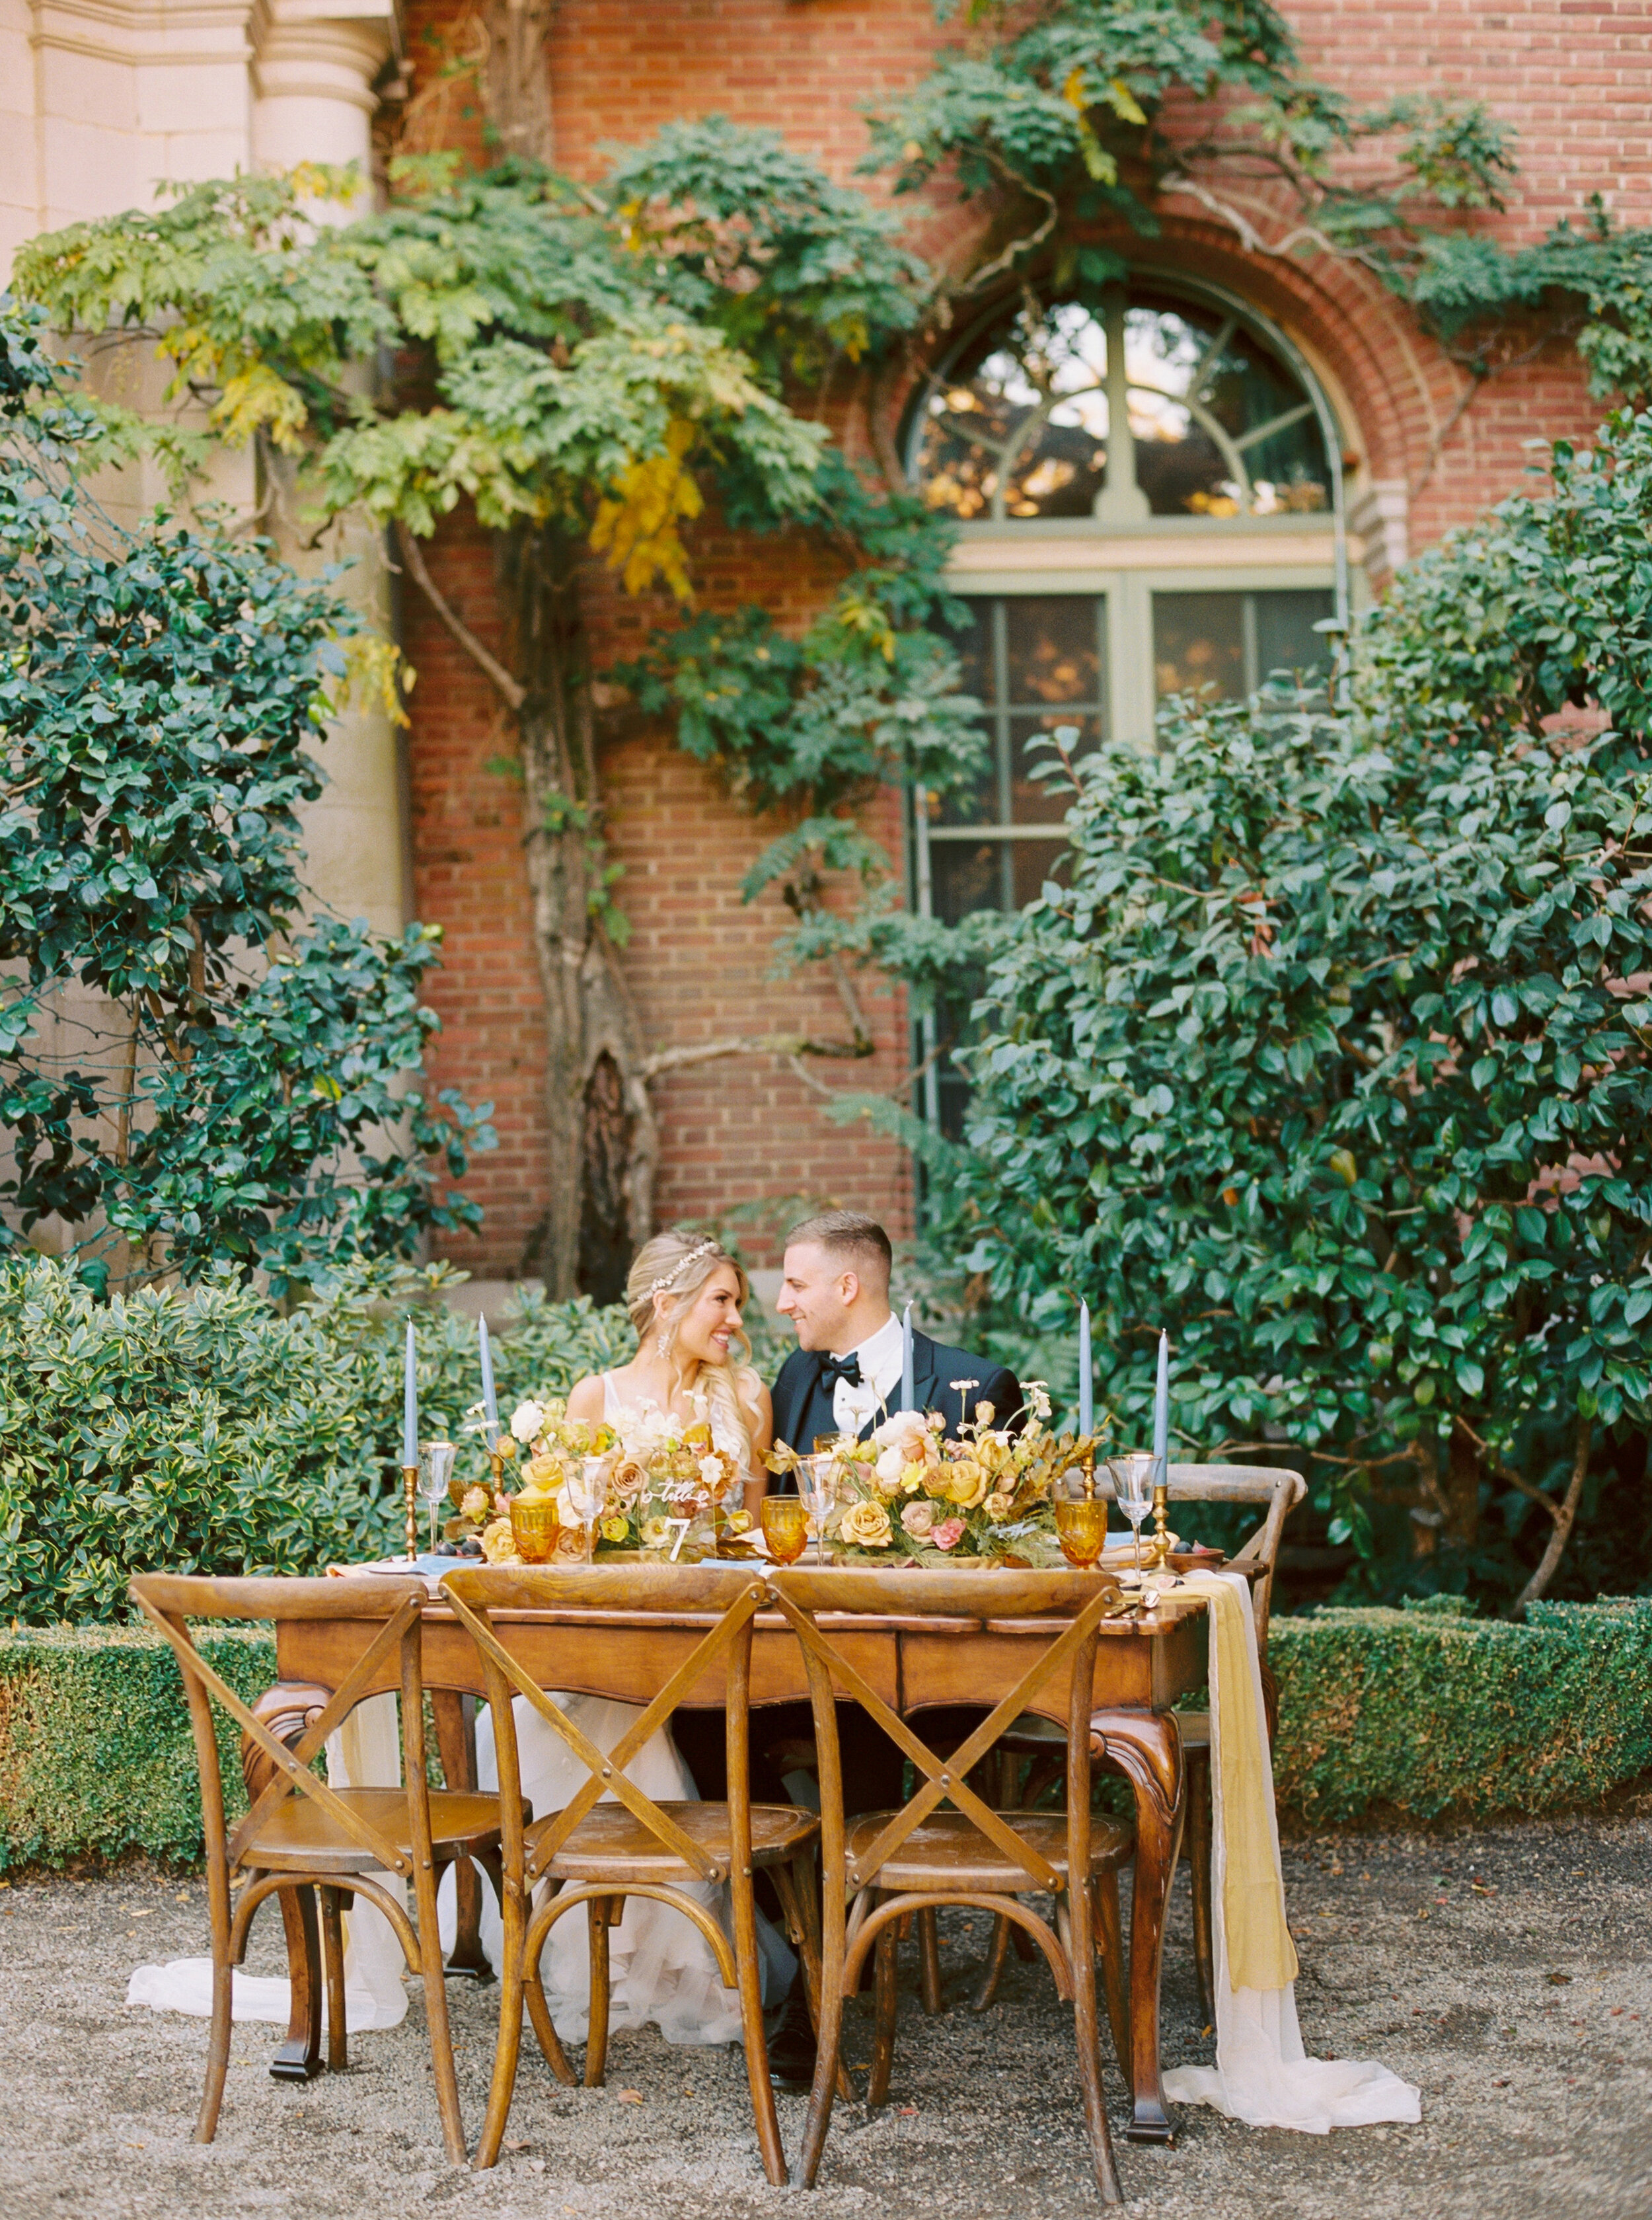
column 803, row 1406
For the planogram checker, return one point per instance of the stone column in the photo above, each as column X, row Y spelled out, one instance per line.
column 314, row 68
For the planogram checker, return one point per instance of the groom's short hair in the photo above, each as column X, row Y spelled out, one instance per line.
column 851, row 1237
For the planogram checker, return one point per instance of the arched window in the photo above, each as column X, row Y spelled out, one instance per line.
column 1019, row 422
column 1148, row 489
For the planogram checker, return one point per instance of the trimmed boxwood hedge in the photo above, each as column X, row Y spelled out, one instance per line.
column 1429, row 1711
column 95, row 1752
column 1423, row 1712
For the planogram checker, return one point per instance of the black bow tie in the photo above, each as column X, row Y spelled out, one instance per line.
column 846, row 1369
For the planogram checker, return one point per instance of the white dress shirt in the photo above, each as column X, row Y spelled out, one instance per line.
column 880, row 1376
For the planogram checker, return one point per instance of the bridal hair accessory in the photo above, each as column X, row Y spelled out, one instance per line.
column 659, row 1286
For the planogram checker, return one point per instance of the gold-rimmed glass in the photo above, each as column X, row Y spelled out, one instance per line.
column 1133, row 1482
column 785, row 1527
column 535, row 1523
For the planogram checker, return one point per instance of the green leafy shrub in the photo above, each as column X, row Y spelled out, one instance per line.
column 230, row 1099
column 1431, row 1712
column 200, row 1431
column 96, row 1751
column 1335, row 1057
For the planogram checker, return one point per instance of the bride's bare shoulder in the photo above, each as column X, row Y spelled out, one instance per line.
column 585, row 1397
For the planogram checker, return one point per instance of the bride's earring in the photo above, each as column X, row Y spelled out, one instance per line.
column 668, row 1335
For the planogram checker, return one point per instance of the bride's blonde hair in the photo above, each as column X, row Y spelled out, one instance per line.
column 678, row 1265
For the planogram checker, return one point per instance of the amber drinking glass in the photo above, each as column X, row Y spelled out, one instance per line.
column 785, row 1527
column 534, row 1526
column 1081, row 1528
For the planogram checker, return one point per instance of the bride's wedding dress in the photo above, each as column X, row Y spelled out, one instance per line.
column 663, row 1972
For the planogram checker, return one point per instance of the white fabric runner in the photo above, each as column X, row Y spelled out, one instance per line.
column 1261, row 2074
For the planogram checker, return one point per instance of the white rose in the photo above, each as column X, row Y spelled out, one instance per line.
column 527, row 1420
column 889, row 1466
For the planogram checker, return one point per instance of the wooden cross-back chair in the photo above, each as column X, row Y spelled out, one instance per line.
column 301, row 1837
column 597, row 1852
column 1281, row 1491
column 882, row 1866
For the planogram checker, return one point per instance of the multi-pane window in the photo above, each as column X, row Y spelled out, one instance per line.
column 1226, row 644
column 1148, row 492
column 1034, row 662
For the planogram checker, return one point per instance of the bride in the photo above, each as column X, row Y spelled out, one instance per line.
column 693, row 1362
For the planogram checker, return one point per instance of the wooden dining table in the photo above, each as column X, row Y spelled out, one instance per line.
column 1143, row 1664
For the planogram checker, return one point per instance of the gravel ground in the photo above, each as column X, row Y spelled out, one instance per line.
column 1508, row 1972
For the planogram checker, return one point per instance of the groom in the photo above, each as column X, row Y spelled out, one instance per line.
column 843, row 1377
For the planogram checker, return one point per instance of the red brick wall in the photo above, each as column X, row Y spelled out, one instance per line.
column 1573, row 80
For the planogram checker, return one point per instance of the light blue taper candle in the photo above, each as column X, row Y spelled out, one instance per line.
column 490, row 1400
column 1162, row 1413
column 908, row 1393
column 410, row 1407
column 1086, row 1370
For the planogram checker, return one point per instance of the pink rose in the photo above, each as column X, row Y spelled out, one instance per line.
column 919, row 1519
column 948, row 1534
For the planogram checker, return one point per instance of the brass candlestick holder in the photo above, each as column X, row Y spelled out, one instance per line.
column 410, row 1484
column 1160, row 1522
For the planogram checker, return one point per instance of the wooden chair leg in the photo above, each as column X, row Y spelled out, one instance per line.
column 599, row 1913
column 830, row 2076
column 1199, row 1866
column 929, row 1962
column 992, row 1973
column 218, row 2041
column 885, row 1952
column 749, row 1975
column 1087, row 2033
column 509, row 2043
column 434, row 1974
column 1115, row 1981
column 795, row 1886
column 338, row 2043
column 456, row 1739
column 298, row 2055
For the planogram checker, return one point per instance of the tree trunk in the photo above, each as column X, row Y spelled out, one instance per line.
column 602, row 1141
column 1565, row 1517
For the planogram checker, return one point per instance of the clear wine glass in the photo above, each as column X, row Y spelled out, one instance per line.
column 588, row 1491
column 817, row 1484
column 1133, row 1485
column 436, row 1470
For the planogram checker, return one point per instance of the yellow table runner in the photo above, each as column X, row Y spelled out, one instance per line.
column 1260, row 1952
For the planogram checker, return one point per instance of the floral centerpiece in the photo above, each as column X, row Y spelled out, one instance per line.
column 910, row 1495
column 665, row 1484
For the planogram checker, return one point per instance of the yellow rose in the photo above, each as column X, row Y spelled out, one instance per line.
column 614, row 1530
column 867, row 1525
column 498, row 1543
column 474, row 1503
column 998, row 1506
column 984, row 1415
column 966, row 1484
column 541, row 1476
